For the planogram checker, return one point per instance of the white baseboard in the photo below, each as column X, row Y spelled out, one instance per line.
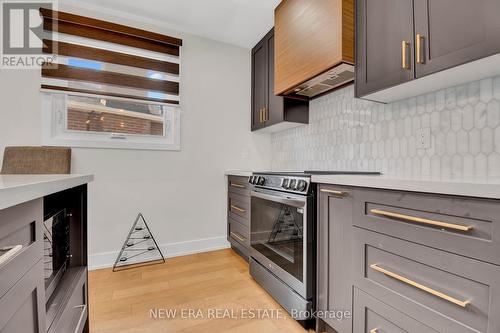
column 107, row 259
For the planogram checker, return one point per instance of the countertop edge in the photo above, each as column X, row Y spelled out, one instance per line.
column 18, row 194
column 448, row 187
column 239, row 173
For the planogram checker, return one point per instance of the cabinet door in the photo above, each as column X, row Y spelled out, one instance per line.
column 274, row 110
column 384, row 37
column 259, row 83
column 22, row 309
column 334, row 255
column 453, row 32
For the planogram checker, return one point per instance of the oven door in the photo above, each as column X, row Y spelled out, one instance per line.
column 278, row 237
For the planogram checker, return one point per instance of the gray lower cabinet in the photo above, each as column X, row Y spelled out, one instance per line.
column 334, row 256
column 374, row 316
column 22, row 308
column 25, row 302
column 408, row 262
column 238, row 214
column 447, row 292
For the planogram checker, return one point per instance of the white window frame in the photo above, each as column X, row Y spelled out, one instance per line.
column 55, row 132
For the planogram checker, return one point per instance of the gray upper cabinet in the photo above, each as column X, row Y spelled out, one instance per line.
column 335, row 255
column 385, row 33
column 399, row 43
column 269, row 111
column 453, row 32
column 259, row 83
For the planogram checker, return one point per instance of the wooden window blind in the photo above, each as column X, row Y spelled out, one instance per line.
column 107, row 59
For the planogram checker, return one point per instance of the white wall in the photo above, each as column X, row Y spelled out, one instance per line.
column 181, row 194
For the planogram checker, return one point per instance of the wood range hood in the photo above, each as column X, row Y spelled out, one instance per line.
column 314, row 46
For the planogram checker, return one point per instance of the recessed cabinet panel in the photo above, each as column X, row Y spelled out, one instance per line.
column 375, row 316
column 276, row 105
column 259, row 84
column 335, row 255
column 385, row 44
column 453, row 32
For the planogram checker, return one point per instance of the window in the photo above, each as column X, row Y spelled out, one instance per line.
column 103, row 122
column 112, row 86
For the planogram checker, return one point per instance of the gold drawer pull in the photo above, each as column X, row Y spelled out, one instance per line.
column 238, row 237
column 375, row 330
column 334, row 192
column 238, row 209
column 236, row 185
column 422, row 220
column 412, row 283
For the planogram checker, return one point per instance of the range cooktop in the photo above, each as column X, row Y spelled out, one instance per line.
column 295, row 182
column 319, row 172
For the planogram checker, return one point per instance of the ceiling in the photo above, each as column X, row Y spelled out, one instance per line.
column 238, row 22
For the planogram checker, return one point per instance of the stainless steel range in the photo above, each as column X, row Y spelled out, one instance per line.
column 283, row 237
column 282, row 234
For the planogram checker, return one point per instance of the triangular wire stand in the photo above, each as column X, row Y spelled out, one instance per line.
column 121, row 260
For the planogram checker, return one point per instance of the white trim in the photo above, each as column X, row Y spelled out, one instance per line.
column 54, row 132
column 170, row 250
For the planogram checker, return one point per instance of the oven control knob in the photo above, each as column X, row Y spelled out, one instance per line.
column 250, row 179
column 261, row 181
column 285, row 182
column 293, row 184
column 302, row 185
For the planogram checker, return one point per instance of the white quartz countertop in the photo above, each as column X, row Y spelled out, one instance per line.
column 16, row 189
column 471, row 187
column 241, row 173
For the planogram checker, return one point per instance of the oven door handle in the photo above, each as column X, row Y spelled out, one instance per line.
column 286, row 201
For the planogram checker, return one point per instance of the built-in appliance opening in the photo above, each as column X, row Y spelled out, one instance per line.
column 56, row 252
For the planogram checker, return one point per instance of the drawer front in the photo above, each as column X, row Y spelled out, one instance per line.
column 373, row 316
column 447, row 292
column 22, row 308
column 20, row 225
column 238, row 185
column 239, row 232
column 239, row 208
column 74, row 315
column 465, row 226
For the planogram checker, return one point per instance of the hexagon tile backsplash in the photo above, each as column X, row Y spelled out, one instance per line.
column 345, row 133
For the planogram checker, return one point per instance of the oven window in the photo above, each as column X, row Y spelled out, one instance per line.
column 277, row 232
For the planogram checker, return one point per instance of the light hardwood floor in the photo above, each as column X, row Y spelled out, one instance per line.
column 120, row 302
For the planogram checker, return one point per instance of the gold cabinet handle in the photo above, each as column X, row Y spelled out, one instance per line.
column 340, row 193
column 260, row 116
column 420, row 57
column 238, row 209
column 423, row 221
column 404, row 54
column 417, row 285
column 238, row 237
column 236, row 185
column 266, row 114
column 375, row 330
